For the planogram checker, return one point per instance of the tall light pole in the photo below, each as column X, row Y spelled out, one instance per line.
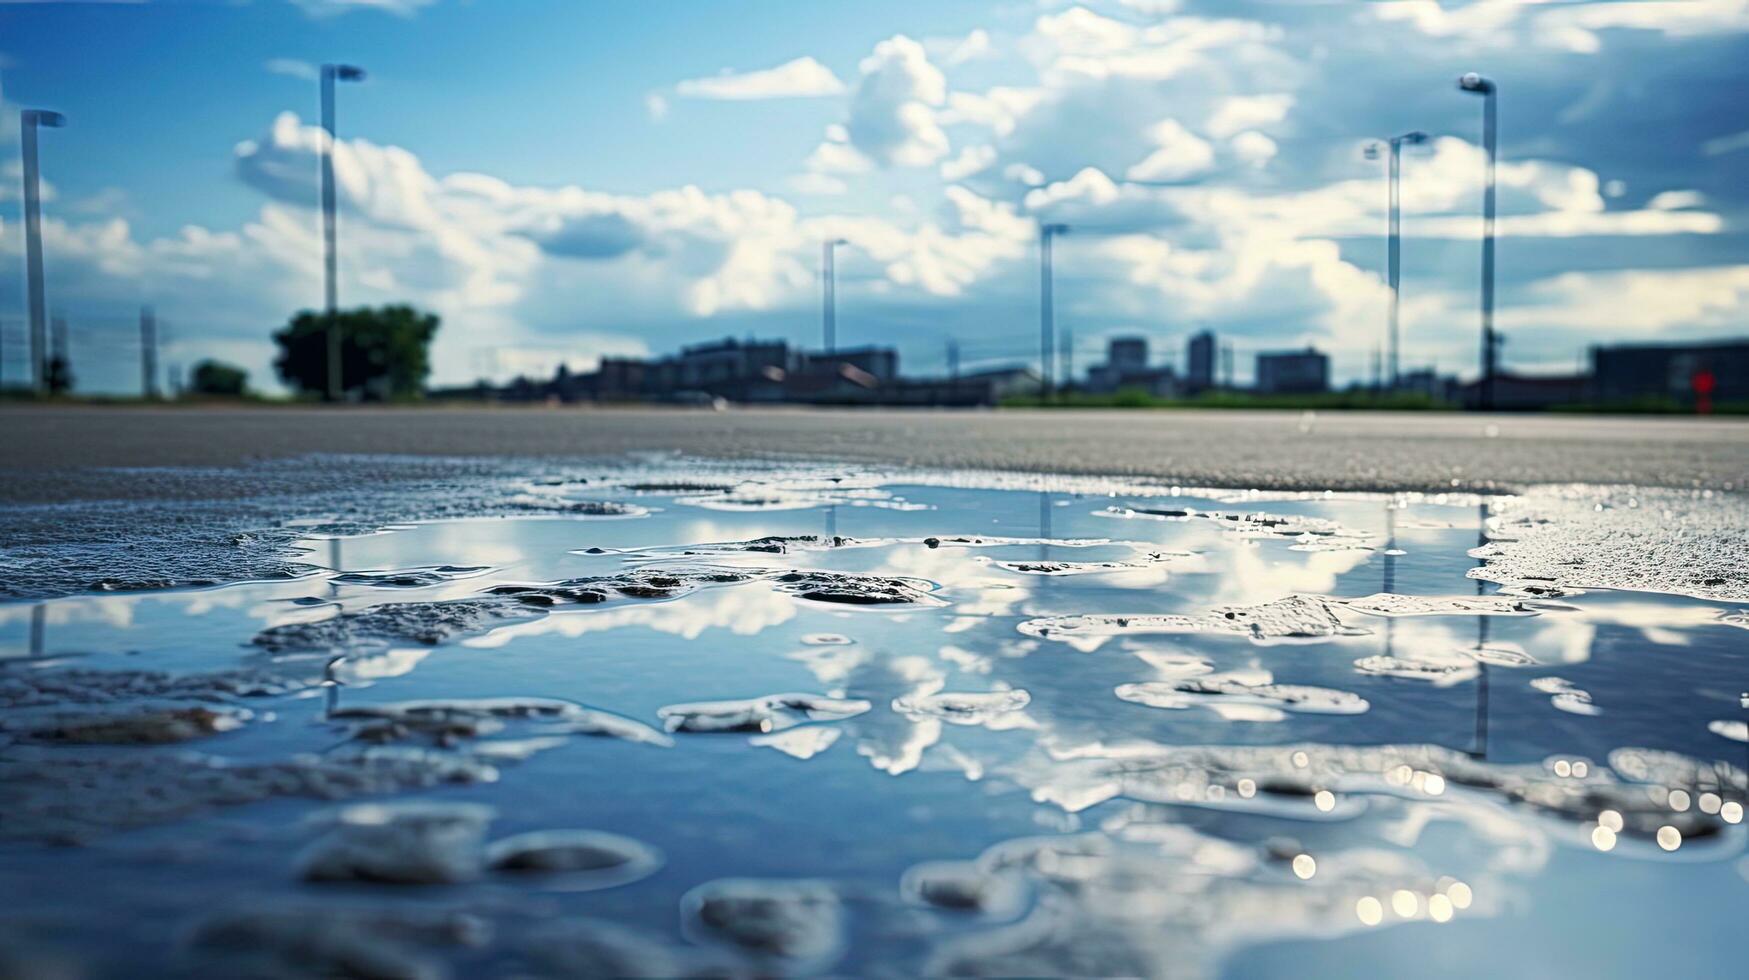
column 330, row 74
column 1484, row 87
column 1394, row 236
column 29, row 120
column 1047, row 310
column 829, row 298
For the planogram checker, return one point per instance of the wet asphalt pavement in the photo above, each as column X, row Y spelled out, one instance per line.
column 51, row 453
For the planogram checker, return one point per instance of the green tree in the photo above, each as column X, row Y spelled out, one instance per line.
column 384, row 353
column 218, row 378
column 58, row 376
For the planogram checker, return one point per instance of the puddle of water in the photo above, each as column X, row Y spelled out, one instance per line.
column 1071, row 731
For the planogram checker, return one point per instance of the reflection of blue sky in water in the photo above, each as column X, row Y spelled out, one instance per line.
column 1191, row 833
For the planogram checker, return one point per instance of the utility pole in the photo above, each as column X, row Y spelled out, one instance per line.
column 60, row 366
column 1394, row 233
column 148, row 353
column 330, row 233
column 29, row 120
column 1489, row 92
column 1068, row 348
column 953, row 360
column 829, row 291
column 1047, row 312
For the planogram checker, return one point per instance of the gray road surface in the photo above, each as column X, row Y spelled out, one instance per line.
column 70, row 453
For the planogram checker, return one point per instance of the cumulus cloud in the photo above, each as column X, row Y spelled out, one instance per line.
column 1178, row 154
column 1635, row 303
column 800, row 78
column 1241, row 112
column 893, row 115
column 971, row 160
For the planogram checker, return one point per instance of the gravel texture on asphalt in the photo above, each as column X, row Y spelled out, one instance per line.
column 58, row 454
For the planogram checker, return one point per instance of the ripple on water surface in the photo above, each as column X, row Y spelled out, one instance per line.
column 1005, row 740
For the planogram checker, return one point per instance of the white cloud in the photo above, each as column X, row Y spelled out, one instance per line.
column 1253, row 148
column 975, row 46
column 1574, row 27
column 998, row 109
column 892, row 115
column 1237, row 113
column 1635, row 303
column 800, row 78
column 656, row 105
column 972, row 159
column 1676, row 200
column 835, row 155
column 1178, row 154
column 1721, row 145
column 292, row 68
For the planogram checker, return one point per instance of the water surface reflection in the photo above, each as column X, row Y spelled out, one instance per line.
column 1231, row 744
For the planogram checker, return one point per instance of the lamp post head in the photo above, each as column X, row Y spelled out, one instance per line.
column 1371, row 151
column 44, row 118
column 345, row 73
column 1414, row 138
column 1054, row 229
column 835, row 242
column 1474, row 82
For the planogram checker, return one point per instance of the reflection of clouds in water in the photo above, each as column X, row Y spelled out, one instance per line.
column 1254, row 571
column 965, row 660
column 975, row 591
column 360, row 669
column 890, row 741
column 833, row 665
column 744, row 611
column 114, row 611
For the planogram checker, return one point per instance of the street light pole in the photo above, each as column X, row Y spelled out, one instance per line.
column 1047, row 309
column 330, row 233
column 1486, row 88
column 29, row 120
column 829, row 277
column 1394, row 238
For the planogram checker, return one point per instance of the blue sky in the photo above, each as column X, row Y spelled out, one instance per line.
column 564, row 179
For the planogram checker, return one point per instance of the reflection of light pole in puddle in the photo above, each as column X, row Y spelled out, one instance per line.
column 1481, row 749
column 831, row 522
column 1044, row 524
column 334, row 564
column 1389, row 585
column 331, row 683
column 38, row 624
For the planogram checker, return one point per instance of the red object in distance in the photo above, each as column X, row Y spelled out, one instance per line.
column 1703, row 383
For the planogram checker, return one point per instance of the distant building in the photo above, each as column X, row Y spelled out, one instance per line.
column 1425, row 381
column 1529, row 392
column 1627, row 372
column 1199, row 362
column 880, row 362
column 1127, row 353
column 1126, row 368
column 722, row 367
column 1293, row 372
